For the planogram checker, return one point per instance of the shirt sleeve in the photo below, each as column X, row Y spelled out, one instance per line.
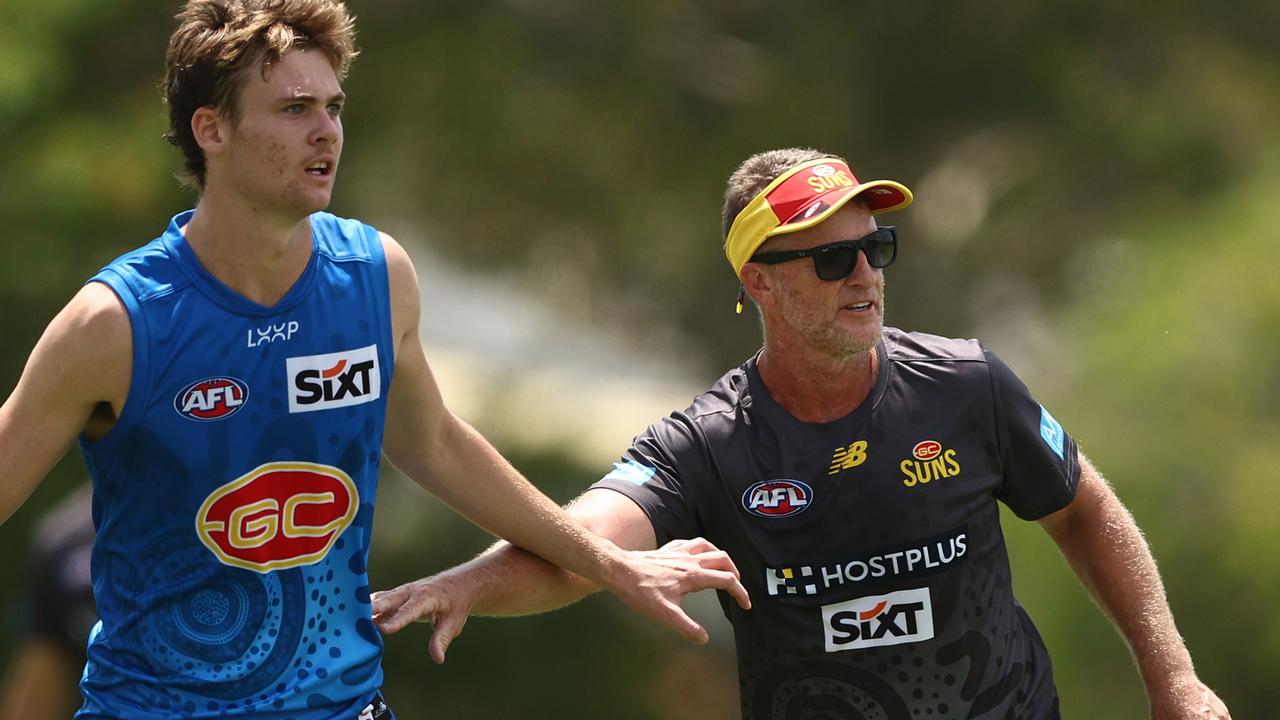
column 1040, row 460
column 660, row 473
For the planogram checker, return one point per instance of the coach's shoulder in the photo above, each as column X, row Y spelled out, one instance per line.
column 917, row 346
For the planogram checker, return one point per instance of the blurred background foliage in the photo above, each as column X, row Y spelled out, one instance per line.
column 1095, row 187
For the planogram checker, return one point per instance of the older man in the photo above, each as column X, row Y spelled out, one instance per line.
column 853, row 473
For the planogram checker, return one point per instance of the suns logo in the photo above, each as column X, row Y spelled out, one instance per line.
column 929, row 461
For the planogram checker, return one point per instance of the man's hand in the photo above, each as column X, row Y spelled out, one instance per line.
column 1187, row 698
column 655, row 581
column 443, row 600
column 651, row 582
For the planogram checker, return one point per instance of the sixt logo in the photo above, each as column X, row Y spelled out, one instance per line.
column 279, row 515
column 928, row 462
column 211, row 399
column 777, row 498
column 269, row 334
column 334, row 380
column 893, row 619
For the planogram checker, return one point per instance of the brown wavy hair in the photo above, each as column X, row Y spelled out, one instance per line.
column 218, row 42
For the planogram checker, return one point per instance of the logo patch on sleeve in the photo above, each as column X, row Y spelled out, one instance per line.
column 1052, row 433
column 632, row 472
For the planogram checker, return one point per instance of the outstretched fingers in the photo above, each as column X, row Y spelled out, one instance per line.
column 394, row 609
column 713, row 568
column 674, row 616
column 431, row 600
column 658, row 580
column 444, row 628
column 726, row 581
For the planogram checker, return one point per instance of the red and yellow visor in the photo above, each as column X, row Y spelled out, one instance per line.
column 802, row 197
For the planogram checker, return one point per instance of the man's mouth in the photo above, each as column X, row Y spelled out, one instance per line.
column 859, row 306
column 320, row 169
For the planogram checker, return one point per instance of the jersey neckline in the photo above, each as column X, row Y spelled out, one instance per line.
column 760, row 394
column 216, row 290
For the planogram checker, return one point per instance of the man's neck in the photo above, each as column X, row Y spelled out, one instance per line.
column 814, row 387
column 256, row 253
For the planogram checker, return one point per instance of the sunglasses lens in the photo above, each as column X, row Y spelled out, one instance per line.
column 881, row 248
column 835, row 263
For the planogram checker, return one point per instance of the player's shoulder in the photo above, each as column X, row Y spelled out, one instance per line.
column 917, row 347
column 342, row 239
column 94, row 315
column 145, row 272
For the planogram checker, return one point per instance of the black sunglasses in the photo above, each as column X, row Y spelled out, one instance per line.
column 835, row 261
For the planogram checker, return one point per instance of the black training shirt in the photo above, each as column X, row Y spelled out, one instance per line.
column 871, row 545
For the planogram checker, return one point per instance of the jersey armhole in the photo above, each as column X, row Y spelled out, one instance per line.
column 382, row 278
column 138, row 387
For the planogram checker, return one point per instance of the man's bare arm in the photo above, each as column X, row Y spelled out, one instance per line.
column 76, row 380
column 452, row 461
column 506, row 580
column 1109, row 555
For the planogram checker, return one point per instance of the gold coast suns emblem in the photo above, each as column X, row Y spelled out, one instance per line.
column 278, row 515
column 929, row 461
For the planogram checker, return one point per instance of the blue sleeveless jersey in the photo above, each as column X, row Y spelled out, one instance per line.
column 233, row 499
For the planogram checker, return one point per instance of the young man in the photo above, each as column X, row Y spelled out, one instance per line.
column 852, row 472
column 229, row 384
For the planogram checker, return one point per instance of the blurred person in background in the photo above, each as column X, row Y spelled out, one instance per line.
column 853, row 473
column 56, row 615
column 231, row 385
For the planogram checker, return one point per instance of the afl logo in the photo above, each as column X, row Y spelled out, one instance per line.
column 278, row 515
column 926, row 449
column 777, row 498
column 211, row 399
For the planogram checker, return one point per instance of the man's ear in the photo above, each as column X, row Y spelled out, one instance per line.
column 757, row 283
column 210, row 129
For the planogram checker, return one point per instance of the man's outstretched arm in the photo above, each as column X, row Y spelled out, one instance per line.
column 448, row 458
column 506, row 580
column 1109, row 555
column 510, row 580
